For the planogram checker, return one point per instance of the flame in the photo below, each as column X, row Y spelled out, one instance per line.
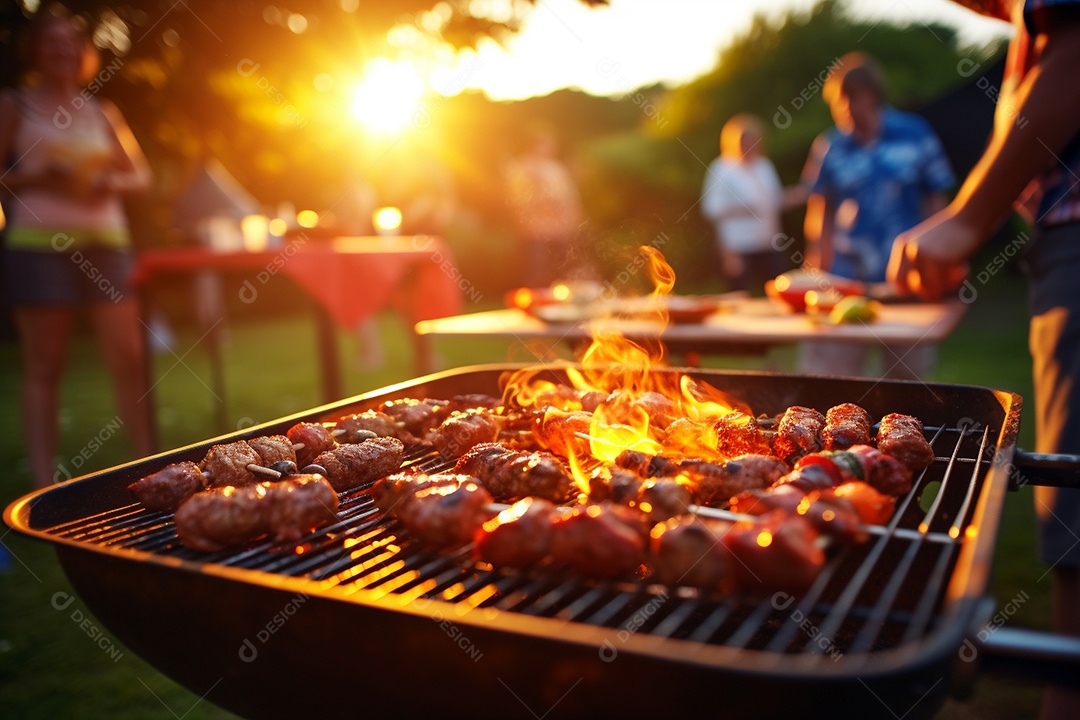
column 660, row 271
column 628, row 404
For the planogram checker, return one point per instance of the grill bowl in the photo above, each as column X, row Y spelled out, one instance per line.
column 364, row 619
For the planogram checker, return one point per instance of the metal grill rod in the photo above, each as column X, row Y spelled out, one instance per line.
column 842, row 608
column 924, row 609
column 888, row 596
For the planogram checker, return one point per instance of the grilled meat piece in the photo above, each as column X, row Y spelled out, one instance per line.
column 883, row 472
column 300, row 504
column 222, row 517
column 168, row 487
column 776, row 552
column 510, row 475
column 315, row 438
column 352, row 465
column 798, row 433
column 763, row 502
column 744, row 472
column 593, row 399
column 662, row 498
column 272, row 449
column 461, row 431
column 393, row 491
column 901, row 436
column 226, row 464
column 829, row 513
column 828, row 469
column 710, row 483
column 687, row 550
column 353, row 428
column 846, row 424
column 557, row 431
column 388, row 491
column 446, row 515
column 615, row 484
column 646, row 466
column 519, row 536
column 808, row 477
column 741, row 434
column 417, row 416
column 593, row 540
column 470, row 401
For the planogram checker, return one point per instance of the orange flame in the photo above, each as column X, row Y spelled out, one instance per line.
column 633, row 407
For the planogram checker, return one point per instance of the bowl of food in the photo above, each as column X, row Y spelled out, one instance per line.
column 685, row 309
column 796, row 288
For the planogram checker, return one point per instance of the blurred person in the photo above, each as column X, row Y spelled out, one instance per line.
column 877, row 173
column 547, row 208
column 67, row 242
column 1034, row 152
column 743, row 198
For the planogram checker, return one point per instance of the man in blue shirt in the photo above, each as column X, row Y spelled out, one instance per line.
column 878, row 173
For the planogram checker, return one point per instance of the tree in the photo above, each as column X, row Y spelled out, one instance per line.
column 776, row 69
column 263, row 88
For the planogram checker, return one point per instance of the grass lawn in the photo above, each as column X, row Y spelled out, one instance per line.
column 50, row 667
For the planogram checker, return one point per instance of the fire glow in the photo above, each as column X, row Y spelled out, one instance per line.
column 618, row 401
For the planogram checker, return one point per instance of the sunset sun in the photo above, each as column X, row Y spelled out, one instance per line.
column 388, row 99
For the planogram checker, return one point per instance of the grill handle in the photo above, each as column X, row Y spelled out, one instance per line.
column 1028, row 654
column 1046, row 469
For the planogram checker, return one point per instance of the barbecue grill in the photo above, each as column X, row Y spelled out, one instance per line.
column 358, row 617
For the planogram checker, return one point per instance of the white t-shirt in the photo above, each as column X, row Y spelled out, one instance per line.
column 754, row 190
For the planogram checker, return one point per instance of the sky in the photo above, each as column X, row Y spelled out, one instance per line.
column 632, row 43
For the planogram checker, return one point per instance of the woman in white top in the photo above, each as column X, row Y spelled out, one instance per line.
column 743, row 198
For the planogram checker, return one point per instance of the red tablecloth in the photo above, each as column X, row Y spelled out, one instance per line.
column 352, row 278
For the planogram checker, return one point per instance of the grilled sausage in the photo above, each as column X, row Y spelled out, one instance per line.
column 168, row 487
column 226, row 464
column 901, row 436
column 272, row 449
column 846, row 424
column 519, row 536
column 349, row 466
column 287, row 510
column 510, row 475
column 315, row 438
column 798, row 433
column 446, row 516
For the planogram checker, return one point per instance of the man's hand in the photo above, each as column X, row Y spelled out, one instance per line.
column 930, row 260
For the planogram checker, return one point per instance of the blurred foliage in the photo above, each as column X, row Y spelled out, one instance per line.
column 267, row 91
column 776, row 69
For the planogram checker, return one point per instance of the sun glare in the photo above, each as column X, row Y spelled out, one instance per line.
column 388, row 99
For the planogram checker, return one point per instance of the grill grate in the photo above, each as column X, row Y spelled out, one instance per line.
column 877, row 596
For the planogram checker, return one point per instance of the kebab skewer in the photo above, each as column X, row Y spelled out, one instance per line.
column 231, row 515
column 238, row 463
column 221, row 517
column 248, row 462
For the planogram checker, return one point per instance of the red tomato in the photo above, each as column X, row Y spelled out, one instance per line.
column 823, row 462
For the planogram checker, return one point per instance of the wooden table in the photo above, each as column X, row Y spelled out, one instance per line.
column 750, row 325
column 349, row 279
